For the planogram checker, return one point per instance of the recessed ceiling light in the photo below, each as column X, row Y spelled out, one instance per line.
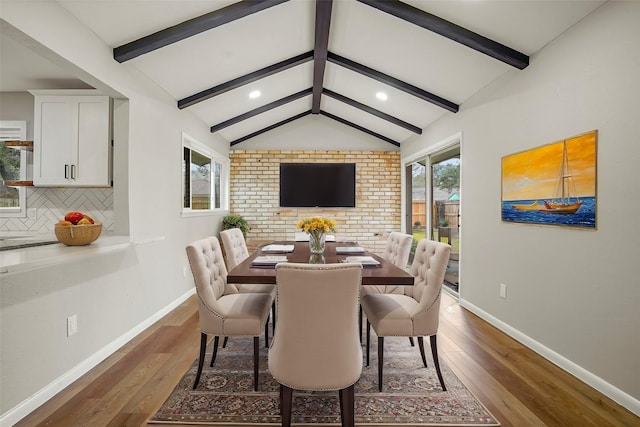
column 254, row 94
column 381, row 96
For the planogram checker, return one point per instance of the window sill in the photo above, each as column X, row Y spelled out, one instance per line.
column 217, row 212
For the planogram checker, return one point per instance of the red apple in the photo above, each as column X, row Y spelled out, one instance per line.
column 73, row 217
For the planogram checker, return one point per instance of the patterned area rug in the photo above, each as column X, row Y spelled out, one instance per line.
column 411, row 393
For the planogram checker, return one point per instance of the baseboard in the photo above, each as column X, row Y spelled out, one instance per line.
column 577, row 371
column 27, row 406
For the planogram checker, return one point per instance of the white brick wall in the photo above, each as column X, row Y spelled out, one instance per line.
column 255, row 195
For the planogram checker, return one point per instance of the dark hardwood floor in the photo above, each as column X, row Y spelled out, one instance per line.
column 519, row 387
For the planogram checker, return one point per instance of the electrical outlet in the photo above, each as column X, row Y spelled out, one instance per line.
column 72, row 325
column 503, row 290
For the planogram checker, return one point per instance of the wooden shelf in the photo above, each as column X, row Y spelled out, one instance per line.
column 23, row 145
column 8, row 183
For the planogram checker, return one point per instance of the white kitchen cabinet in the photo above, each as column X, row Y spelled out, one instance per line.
column 71, row 140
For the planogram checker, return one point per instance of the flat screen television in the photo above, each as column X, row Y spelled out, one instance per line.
column 323, row 185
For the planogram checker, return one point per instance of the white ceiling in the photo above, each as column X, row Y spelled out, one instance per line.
column 358, row 32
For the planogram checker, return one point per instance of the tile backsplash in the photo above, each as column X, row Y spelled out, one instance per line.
column 46, row 206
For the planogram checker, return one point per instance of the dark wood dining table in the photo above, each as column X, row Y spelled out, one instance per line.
column 385, row 274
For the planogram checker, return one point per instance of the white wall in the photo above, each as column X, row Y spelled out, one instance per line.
column 315, row 132
column 572, row 294
column 115, row 294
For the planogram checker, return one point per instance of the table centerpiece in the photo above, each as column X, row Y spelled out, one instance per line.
column 316, row 227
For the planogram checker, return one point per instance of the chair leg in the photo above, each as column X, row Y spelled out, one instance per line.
column 380, row 361
column 421, row 346
column 286, row 397
column 203, row 349
column 266, row 334
column 256, row 361
column 368, row 339
column 360, row 325
column 413, row 344
column 347, row 406
column 224, row 342
column 436, row 363
column 273, row 316
column 216, row 341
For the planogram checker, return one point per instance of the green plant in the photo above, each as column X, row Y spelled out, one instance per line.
column 417, row 224
column 235, row 221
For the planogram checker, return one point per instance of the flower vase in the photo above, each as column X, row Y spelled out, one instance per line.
column 316, row 242
column 316, row 259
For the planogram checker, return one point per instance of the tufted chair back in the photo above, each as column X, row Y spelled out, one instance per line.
column 210, row 276
column 428, row 269
column 396, row 251
column 316, row 344
column 398, row 248
column 235, row 246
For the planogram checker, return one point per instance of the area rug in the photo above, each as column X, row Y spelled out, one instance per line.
column 412, row 395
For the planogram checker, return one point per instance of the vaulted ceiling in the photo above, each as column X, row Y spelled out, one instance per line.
column 332, row 58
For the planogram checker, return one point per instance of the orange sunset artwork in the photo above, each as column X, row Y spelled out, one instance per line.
column 554, row 184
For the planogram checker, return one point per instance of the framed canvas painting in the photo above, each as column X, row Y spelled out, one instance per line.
column 554, row 184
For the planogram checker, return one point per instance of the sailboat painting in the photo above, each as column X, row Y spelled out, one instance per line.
column 554, row 184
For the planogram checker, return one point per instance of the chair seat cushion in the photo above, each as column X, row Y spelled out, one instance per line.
column 257, row 289
column 381, row 289
column 390, row 314
column 243, row 314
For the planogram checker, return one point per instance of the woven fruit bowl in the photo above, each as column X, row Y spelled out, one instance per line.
column 77, row 235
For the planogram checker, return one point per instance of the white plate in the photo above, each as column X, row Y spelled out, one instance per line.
column 349, row 250
column 269, row 260
column 364, row 260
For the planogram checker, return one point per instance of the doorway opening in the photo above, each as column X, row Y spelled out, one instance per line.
column 433, row 204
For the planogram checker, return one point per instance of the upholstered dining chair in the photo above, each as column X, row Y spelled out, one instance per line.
column 221, row 313
column 316, row 344
column 415, row 315
column 396, row 251
column 235, row 248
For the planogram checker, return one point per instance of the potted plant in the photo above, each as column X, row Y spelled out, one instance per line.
column 235, row 221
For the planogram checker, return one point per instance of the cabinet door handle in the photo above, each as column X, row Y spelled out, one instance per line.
column 73, row 171
column 66, row 171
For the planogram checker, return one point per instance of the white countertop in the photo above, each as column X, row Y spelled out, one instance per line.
column 16, row 260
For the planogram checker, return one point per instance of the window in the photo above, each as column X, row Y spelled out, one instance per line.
column 204, row 177
column 13, row 166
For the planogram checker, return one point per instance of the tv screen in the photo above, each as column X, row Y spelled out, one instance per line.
column 323, row 185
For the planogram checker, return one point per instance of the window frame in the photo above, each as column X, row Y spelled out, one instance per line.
column 192, row 144
column 16, row 130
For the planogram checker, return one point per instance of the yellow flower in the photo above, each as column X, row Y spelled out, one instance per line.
column 316, row 224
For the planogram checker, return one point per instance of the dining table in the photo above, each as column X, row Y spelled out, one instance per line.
column 384, row 273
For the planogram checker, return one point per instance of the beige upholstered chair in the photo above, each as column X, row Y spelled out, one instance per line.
column 410, row 316
column 396, row 251
column 316, row 345
column 221, row 313
column 235, row 248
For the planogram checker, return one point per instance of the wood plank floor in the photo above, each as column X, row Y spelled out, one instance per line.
column 519, row 387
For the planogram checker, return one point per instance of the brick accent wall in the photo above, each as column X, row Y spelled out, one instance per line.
column 255, row 187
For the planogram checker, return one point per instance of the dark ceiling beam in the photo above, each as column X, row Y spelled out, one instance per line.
column 246, row 79
column 393, row 82
column 268, row 128
column 260, row 110
column 360, row 128
column 391, row 119
column 451, row 31
column 320, row 49
column 190, row 28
